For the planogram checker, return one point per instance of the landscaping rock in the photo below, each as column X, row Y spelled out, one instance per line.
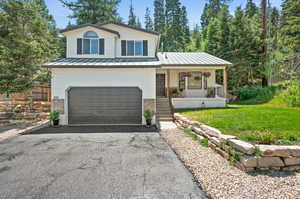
column 195, row 124
column 211, row 145
column 210, row 130
column 248, row 161
column 281, row 151
column 200, row 138
column 225, row 138
column 242, row 146
column 291, row 168
column 222, row 153
column 292, row 161
column 270, row 162
column 215, row 140
column 197, row 130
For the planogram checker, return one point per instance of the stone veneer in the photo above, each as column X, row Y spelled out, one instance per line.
column 58, row 105
column 149, row 104
column 244, row 155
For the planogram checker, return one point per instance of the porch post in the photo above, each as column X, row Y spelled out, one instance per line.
column 225, row 81
column 168, row 82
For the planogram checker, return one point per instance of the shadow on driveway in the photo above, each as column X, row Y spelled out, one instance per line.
column 94, row 129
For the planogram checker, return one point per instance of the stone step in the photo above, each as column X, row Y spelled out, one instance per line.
column 164, row 112
column 165, row 118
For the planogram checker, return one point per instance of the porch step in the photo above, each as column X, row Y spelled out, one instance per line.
column 163, row 109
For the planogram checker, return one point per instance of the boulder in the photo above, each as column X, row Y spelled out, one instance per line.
column 290, row 161
column 248, row 161
column 210, row 130
column 270, row 162
column 225, row 138
column 291, row 168
column 215, row 140
column 281, row 151
column 242, row 146
column 222, row 153
column 200, row 138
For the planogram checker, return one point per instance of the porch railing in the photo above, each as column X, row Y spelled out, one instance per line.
column 211, row 92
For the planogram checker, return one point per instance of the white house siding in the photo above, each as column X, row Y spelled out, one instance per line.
column 62, row 79
column 131, row 34
column 109, row 38
column 174, row 82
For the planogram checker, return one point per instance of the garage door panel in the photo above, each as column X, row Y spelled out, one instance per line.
column 103, row 105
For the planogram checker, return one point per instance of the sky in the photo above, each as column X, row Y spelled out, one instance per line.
column 194, row 9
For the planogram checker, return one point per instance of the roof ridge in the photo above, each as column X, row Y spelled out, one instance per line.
column 128, row 26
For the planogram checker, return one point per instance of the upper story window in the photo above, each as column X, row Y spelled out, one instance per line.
column 134, row 47
column 90, row 44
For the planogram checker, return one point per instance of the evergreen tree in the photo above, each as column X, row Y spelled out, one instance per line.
column 138, row 23
column 213, row 37
column 245, row 49
column 174, row 30
column 132, row 20
column 93, row 11
column 185, row 27
column 148, row 20
column 251, row 9
column 290, row 31
column 224, row 18
column 211, row 10
column 160, row 20
column 25, row 43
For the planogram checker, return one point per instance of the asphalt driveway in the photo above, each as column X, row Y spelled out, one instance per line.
column 98, row 165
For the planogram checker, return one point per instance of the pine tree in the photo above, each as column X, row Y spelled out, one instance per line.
column 212, row 41
column 138, row 23
column 25, row 43
column 93, row 11
column 251, row 9
column 185, row 27
column 290, row 31
column 148, row 20
column 132, row 20
column 160, row 20
column 174, row 31
column 224, row 18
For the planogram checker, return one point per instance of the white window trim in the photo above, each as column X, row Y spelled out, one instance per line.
column 98, row 49
column 134, row 55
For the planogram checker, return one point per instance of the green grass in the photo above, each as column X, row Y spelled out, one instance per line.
column 263, row 124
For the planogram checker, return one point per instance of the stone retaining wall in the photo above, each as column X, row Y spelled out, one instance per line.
column 244, row 155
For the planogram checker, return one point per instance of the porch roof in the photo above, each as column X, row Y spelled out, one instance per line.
column 104, row 63
column 190, row 59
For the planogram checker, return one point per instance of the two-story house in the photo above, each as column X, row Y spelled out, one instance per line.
column 114, row 72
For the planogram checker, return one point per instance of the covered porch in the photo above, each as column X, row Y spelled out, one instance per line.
column 193, row 87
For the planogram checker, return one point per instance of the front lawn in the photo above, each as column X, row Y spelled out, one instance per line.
column 264, row 124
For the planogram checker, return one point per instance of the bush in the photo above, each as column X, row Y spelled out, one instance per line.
column 291, row 96
column 53, row 115
column 255, row 95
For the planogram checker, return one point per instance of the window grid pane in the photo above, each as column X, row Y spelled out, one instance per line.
column 195, row 80
column 94, row 46
column 130, row 48
column 138, row 48
column 86, row 46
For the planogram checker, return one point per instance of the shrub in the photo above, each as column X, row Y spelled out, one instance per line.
column 148, row 114
column 254, row 95
column 54, row 115
column 291, row 96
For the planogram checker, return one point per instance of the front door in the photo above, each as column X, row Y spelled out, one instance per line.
column 160, row 85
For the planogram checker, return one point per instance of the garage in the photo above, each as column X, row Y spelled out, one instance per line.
column 104, row 105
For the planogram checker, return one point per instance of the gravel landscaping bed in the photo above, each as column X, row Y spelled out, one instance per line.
column 221, row 180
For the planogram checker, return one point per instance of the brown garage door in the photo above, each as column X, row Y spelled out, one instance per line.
column 105, row 105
